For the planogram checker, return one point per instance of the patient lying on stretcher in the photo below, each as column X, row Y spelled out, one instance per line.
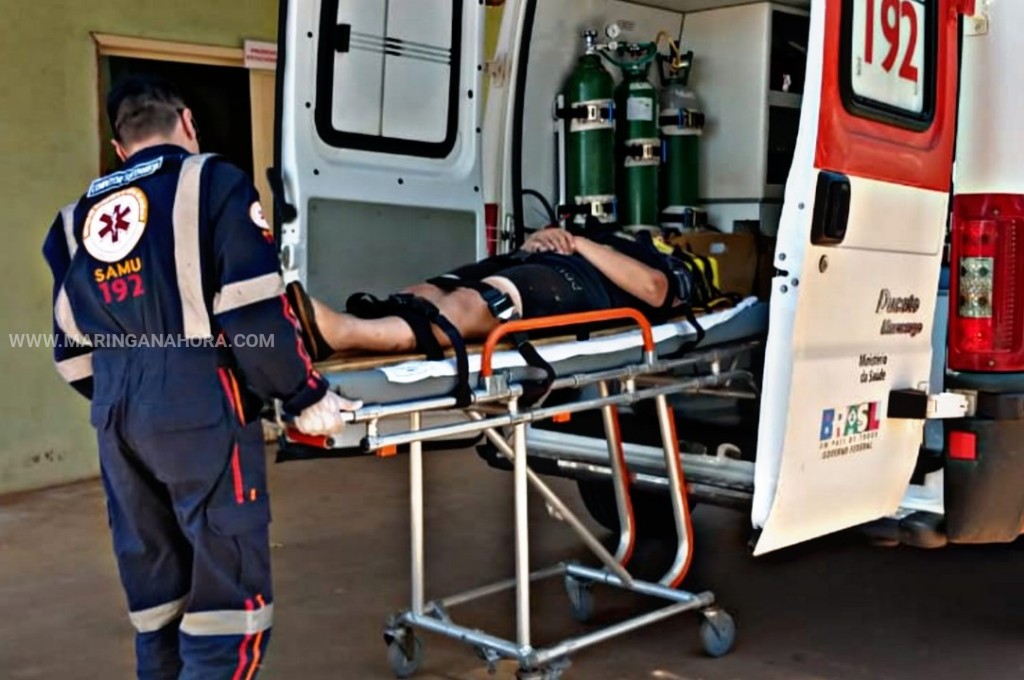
column 555, row 272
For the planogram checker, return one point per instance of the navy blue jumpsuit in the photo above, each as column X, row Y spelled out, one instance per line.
column 171, row 317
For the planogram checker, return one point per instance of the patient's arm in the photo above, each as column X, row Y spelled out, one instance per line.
column 642, row 282
column 550, row 240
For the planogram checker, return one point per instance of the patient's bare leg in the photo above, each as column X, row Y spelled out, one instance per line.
column 464, row 308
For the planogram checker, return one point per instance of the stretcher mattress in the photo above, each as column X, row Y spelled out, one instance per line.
column 395, row 379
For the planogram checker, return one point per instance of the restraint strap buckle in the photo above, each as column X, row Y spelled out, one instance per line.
column 500, row 304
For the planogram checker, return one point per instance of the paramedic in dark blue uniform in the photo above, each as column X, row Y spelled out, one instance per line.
column 168, row 300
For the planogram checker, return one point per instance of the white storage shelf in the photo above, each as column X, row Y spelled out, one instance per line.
column 732, row 77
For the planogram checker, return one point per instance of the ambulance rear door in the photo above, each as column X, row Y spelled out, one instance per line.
column 858, row 257
column 378, row 142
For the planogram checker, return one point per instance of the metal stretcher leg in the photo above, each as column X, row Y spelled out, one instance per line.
column 620, row 479
column 677, row 494
column 416, row 515
column 405, row 649
column 561, row 509
column 522, row 531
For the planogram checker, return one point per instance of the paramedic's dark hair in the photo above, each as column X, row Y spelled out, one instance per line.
column 143, row 106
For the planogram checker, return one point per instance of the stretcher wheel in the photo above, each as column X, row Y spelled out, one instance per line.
column 405, row 654
column 717, row 633
column 581, row 598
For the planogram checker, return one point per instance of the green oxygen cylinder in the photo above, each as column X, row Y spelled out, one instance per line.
column 682, row 123
column 587, row 112
column 638, row 144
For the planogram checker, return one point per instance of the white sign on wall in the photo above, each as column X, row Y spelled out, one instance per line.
column 888, row 52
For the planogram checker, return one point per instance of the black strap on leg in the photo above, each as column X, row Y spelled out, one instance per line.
column 366, row 306
column 421, row 315
column 503, row 309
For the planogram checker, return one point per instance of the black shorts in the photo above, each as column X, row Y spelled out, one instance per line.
column 548, row 284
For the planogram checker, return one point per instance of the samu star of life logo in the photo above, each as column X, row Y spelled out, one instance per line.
column 114, row 225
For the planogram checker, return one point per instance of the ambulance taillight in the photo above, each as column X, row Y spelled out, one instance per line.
column 986, row 327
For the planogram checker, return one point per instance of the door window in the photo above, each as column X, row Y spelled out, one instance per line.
column 888, row 60
column 388, row 75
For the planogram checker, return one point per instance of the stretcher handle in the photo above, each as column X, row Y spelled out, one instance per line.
column 315, row 441
column 578, row 319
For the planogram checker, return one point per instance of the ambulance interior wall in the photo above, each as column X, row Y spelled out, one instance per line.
column 50, row 145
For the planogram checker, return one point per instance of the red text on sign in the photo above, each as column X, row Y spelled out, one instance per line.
column 892, row 14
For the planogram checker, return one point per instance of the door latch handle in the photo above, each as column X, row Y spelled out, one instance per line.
column 341, row 39
column 831, row 209
column 286, row 212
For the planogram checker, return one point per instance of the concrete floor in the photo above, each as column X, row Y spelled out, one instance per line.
column 834, row 609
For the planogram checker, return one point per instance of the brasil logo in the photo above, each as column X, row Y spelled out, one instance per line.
column 849, row 421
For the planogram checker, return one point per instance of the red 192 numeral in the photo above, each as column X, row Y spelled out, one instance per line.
column 893, row 13
column 119, row 289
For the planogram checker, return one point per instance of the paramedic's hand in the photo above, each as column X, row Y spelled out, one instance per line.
column 324, row 417
column 551, row 241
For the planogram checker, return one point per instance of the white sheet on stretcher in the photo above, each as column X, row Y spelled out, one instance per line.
column 414, row 371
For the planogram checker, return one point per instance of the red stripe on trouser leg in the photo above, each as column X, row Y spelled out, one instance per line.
column 225, row 383
column 236, row 472
column 256, row 644
column 243, row 657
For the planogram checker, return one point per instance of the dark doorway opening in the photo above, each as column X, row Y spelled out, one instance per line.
column 218, row 95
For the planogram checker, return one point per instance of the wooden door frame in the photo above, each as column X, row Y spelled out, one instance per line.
column 109, row 45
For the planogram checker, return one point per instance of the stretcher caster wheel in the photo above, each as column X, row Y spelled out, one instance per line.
column 405, row 654
column 581, row 598
column 717, row 633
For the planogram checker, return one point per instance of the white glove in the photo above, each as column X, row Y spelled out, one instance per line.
column 324, row 417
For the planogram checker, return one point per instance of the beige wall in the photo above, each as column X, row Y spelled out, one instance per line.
column 49, row 151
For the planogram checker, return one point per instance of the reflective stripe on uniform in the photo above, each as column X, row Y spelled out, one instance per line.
column 243, row 293
column 66, row 318
column 160, row 616
column 187, row 258
column 76, row 368
column 67, row 216
column 228, row 622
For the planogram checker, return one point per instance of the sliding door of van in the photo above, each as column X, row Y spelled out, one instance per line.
column 379, row 141
column 858, row 257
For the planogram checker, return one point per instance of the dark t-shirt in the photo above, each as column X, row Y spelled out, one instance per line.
column 603, row 293
column 617, row 297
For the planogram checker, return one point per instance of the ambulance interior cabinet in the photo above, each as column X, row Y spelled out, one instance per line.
column 749, row 69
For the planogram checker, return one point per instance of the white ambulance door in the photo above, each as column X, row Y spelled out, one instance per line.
column 379, row 142
column 858, row 258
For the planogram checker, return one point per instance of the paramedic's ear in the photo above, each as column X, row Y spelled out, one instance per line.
column 119, row 150
column 188, row 124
